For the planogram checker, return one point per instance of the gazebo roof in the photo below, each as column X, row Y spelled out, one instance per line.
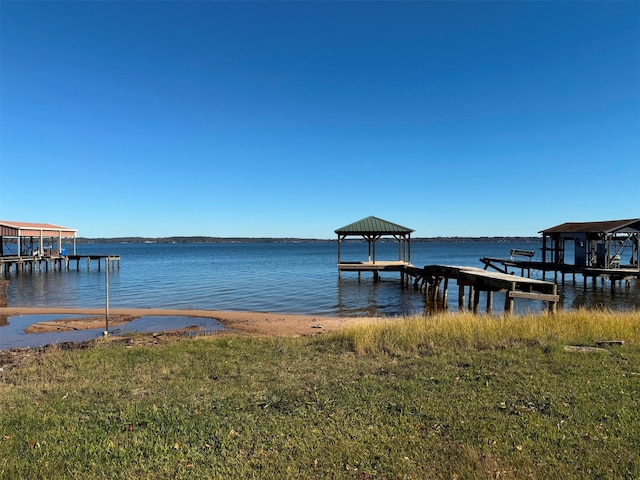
column 609, row 226
column 373, row 225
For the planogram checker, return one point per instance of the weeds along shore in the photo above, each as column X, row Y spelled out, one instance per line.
column 450, row 396
column 468, row 331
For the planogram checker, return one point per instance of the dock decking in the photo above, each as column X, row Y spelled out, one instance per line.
column 434, row 279
column 620, row 274
column 374, row 267
column 20, row 264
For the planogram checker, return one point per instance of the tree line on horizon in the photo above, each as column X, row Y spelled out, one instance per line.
column 205, row 239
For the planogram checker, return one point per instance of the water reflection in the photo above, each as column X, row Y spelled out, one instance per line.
column 386, row 297
column 600, row 295
column 163, row 323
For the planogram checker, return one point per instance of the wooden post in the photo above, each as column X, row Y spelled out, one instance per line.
column 471, row 296
column 3, row 293
column 476, row 300
column 445, row 294
column 435, row 289
column 489, row 302
column 553, row 304
column 461, row 297
column 106, row 296
column 508, row 301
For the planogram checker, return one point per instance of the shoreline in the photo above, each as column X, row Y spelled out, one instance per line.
column 253, row 323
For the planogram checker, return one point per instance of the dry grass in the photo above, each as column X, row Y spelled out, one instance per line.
column 470, row 331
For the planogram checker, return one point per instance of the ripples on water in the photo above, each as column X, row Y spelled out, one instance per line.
column 274, row 277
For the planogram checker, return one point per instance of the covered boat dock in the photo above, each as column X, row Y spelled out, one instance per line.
column 25, row 246
column 606, row 249
column 23, row 239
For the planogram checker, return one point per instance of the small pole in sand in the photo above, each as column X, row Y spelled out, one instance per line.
column 106, row 289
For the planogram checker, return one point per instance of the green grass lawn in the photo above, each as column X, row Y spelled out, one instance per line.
column 455, row 396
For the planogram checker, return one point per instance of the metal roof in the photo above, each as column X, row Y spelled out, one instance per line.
column 373, row 225
column 608, row 226
column 27, row 229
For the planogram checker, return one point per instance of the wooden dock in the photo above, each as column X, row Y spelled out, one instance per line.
column 615, row 275
column 373, row 267
column 433, row 282
column 31, row 263
column 112, row 261
column 476, row 281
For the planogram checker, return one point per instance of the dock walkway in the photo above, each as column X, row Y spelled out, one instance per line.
column 434, row 279
column 619, row 274
column 477, row 280
column 374, row 267
column 30, row 263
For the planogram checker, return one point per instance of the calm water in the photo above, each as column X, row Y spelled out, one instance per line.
column 12, row 334
column 272, row 277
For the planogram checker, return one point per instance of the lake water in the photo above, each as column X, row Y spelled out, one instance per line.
column 274, row 277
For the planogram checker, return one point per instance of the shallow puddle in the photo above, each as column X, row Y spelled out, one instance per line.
column 164, row 323
column 12, row 333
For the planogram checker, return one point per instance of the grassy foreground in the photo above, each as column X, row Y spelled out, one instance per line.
column 453, row 396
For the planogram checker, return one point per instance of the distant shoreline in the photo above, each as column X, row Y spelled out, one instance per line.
column 201, row 239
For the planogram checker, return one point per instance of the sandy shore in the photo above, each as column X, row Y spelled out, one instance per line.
column 255, row 323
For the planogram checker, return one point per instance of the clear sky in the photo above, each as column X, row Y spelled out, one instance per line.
column 292, row 119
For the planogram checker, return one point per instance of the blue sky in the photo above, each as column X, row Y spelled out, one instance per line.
column 292, row 119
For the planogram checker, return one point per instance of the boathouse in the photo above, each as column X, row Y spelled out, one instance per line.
column 23, row 239
column 605, row 250
column 373, row 230
column 607, row 245
column 25, row 246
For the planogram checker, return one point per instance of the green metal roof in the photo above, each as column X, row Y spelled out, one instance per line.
column 373, row 225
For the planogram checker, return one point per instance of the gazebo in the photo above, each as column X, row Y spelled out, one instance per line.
column 373, row 229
